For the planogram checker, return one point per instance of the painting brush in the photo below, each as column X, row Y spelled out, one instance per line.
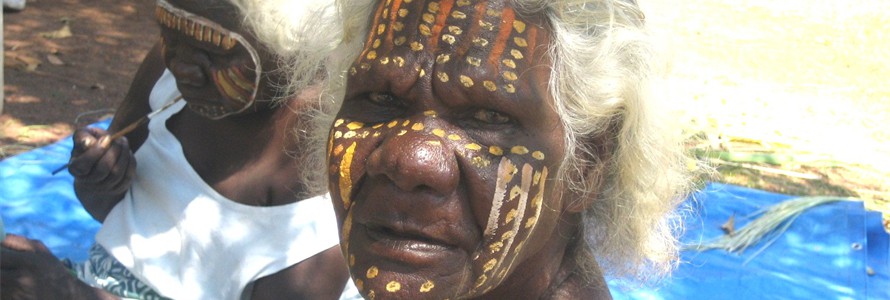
column 128, row 129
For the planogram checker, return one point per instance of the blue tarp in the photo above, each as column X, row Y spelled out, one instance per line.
column 825, row 254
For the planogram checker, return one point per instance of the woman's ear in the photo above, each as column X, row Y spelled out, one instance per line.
column 594, row 156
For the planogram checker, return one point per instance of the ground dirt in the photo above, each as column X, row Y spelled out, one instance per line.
column 68, row 63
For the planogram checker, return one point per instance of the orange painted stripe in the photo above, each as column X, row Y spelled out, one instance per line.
column 393, row 14
column 531, row 35
column 475, row 28
column 445, row 7
column 500, row 42
column 372, row 33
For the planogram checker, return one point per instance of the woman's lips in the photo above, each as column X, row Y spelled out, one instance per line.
column 411, row 241
column 408, row 247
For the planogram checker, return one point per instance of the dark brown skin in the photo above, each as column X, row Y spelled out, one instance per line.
column 443, row 159
column 244, row 157
column 30, row 271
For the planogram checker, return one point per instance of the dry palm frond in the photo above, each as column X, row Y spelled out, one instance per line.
column 770, row 223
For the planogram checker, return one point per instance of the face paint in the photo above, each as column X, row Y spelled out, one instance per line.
column 439, row 59
column 230, row 81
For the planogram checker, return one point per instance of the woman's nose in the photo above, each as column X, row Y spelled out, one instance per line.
column 188, row 66
column 416, row 161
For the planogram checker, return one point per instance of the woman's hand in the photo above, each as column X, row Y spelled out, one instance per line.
column 103, row 170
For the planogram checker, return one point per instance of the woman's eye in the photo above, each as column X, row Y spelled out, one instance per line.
column 383, row 99
column 491, row 117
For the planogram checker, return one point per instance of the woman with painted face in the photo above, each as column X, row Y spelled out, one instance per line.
column 501, row 150
column 216, row 208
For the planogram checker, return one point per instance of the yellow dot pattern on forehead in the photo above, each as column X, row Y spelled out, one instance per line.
column 417, row 126
column 355, row 125
column 393, row 287
column 427, row 286
column 439, row 132
column 372, row 272
column 430, row 113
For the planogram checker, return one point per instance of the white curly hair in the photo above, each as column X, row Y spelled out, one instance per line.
column 301, row 33
column 603, row 70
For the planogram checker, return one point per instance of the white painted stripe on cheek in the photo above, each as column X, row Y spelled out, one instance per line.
column 500, row 192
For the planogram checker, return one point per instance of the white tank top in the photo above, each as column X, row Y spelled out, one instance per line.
column 185, row 240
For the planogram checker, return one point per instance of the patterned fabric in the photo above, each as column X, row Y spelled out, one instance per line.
column 101, row 270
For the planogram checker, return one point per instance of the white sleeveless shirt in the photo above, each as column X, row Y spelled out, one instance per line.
column 185, row 240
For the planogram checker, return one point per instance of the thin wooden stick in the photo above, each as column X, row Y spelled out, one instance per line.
column 144, row 119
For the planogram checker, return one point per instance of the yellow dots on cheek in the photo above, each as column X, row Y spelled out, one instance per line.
column 519, row 150
column 393, row 286
column 427, row 286
column 442, row 76
column 489, row 265
column 455, row 30
column 392, row 124
column 372, row 272
column 403, row 12
column 355, row 125
column 510, row 88
column 516, row 54
column 338, row 134
column 338, row 150
column 510, row 76
column 416, row 46
column 430, row 113
column 489, row 85
column 338, row 122
column 402, row 132
column 466, row 81
column 538, row 155
column 417, row 126
column 443, row 58
column 474, row 61
column 406, row 122
column 453, row 137
column 439, row 132
column 381, row 28
column 450, row 39
column 473, row 146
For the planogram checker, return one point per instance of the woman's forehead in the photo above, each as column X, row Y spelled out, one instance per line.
column 479, row 44
column 219, row 11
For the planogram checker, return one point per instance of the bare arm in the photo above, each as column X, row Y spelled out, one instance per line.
column 30, row 271
column 103, row 169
